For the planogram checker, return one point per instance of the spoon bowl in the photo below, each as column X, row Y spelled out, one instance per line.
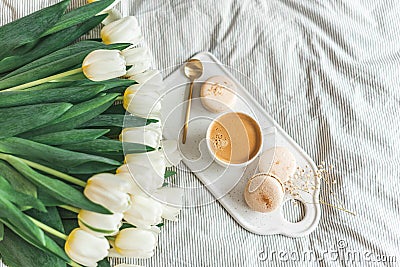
column 193, row 69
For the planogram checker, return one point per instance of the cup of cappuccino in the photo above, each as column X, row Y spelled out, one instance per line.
column 234, row 139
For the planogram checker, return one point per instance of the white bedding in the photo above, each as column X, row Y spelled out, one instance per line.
column 328, row 72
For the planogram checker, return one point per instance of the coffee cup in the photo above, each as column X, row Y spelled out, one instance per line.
column 234, row 139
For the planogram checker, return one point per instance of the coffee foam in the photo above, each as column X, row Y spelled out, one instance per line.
column 235, row 138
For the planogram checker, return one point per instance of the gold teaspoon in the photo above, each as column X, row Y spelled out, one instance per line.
column 193, row 70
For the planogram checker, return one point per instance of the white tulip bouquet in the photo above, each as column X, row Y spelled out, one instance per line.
column 82, row 160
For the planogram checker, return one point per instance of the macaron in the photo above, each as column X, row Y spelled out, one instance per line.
column 264, row 193
column 218, row 94
column 278, row 161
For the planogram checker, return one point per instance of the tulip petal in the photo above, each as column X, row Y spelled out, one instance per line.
column 150, row 75
column 147, row 167
column 136, row 55
column 109, row 191
column 171, row 198
column 86, row 249
column 124, row 173
column 125, row 30
column 145, row 104
column 145, row 179
column 134, row 242
column 113, row 15
column 171, row 152
column 102, row 64
column 149, row 135
column 144, row 212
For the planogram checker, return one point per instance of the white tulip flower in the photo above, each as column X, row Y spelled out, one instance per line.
column 134, row 242
column 152, row 160
column 171, row 152
column 142, row 181
column 125, row 30
column 143, row 103
column 109, row 191
column 100, row 65
column 100, row 224
column 154, row 77
column 85, row 248
column 124, row 173
column 144, row 99
column 145, row 170
column 144, row 212
column 149, row 135
column 171, row 198
column 113, row 15
column 139, row 58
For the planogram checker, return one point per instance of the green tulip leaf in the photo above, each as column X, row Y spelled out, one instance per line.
column 109, row 84
column 17, row 218
column 34, row 253
column 70, row 224
column 103, row 263
column 108, row 147
column 16, row 120
column 15, row 34
column 48, row 200
column 50, row 218
column 16, row 180
column 51, row 85
column 79, row 15
column 93, row 167
column 77, row 115
column 69, row 137
column 16, row 251
column 56, row 188
column 169, row 173
column 21, row 200
column 73, row 94
column 53, row 157
column 118, row 120
column 49, row 44
column 67, row 214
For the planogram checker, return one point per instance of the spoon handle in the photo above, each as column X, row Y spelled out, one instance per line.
column 189, row 105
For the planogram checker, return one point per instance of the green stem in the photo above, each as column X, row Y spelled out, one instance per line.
column 54, row 232
column 74, row 264
column 58, row 174
column 44, row 80
column 70, row 208
column 48, row 229
column 120, row 98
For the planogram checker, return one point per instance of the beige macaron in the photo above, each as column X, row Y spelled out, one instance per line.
column 264, row 193
column 278, row 161
column 218, row 94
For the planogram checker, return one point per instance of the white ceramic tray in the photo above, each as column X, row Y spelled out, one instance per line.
column 227, row 184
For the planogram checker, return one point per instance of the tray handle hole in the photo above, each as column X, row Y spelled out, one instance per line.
column 293, row 210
